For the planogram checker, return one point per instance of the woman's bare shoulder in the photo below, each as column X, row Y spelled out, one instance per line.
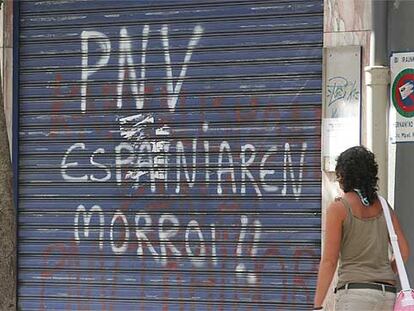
column 337, row 208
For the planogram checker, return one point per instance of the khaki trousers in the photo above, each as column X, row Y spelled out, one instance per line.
column 364, row 300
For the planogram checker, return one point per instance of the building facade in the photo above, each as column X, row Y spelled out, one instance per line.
column 169, row 155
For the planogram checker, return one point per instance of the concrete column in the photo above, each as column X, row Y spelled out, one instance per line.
column 376, row 81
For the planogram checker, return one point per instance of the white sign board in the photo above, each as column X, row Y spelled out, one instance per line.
column 342, row 102
column 402, row 97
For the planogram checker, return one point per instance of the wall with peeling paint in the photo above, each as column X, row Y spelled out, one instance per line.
column 346, row 22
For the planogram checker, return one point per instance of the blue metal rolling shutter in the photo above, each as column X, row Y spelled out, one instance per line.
column 169, row 154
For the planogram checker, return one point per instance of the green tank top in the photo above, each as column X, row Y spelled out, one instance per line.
column 364, row 255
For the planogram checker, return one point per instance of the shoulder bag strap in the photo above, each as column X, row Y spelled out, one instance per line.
column 402, row 273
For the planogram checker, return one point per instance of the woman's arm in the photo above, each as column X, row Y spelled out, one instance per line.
column 335, row 215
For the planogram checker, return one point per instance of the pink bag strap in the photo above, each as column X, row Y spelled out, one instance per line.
column 402, row 273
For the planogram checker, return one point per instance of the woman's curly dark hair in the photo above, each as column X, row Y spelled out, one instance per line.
column 356, row 168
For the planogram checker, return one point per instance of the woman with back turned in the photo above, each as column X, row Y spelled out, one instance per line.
column 356, row 234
